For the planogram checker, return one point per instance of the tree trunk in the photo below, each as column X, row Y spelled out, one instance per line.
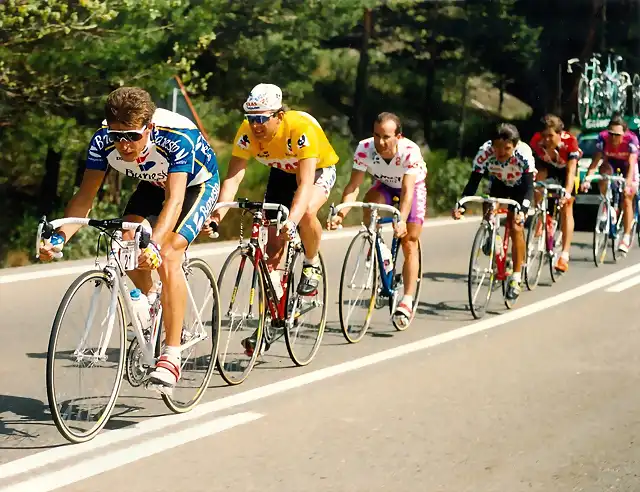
column 360, row 93
column 501, row 88
column 49, row 186
column 427, row 114
column 463, row 114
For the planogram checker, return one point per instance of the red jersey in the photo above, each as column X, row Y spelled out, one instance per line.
column 567, row 149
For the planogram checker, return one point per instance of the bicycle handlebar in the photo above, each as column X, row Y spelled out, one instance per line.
column 283, row 212
column 489, row 199
column 46, row 229
column 373, row 206
column 549, row 185
column 602, row 177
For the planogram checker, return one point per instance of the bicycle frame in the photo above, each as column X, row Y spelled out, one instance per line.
column 256, row 243
column 373, row 229
column 121, row 257
column 491, row 217
column 552, row 191
column 612, row 197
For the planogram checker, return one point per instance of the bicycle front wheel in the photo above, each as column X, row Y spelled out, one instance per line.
column 243, row 307
column 482, row 251
column 535, row 250
column 200, row 337
column 90, row 347
column 601, row 233
column 306, row 315
column 358, row 287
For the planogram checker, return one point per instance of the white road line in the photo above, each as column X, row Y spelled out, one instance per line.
column 624, row 285
column 116, row 459
column 43, row 458
column 197, row 250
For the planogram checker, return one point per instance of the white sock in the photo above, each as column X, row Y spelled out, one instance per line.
column 313, row 261
column 565, row 255
column 408, row 300
column 517, row 276
column 173, row 352
column 626, row 238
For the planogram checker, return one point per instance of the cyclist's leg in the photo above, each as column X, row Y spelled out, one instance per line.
column 146, row 201
column 281, row 187
column 311, row 230
column 410, row 248
column 627, row 206
column 378, row 193
column 198, row 203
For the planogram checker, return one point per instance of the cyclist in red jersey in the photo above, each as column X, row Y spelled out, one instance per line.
column 557, row 153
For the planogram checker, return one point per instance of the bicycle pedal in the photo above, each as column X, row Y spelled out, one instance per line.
column 160, row 388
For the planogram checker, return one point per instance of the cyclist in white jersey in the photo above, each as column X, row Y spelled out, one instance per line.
column 179, row 187
column 511, row 166
column 399, row 170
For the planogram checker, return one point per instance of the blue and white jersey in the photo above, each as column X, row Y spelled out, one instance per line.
column 175, row 145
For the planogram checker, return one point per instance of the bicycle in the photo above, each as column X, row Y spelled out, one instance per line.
column 379, row 275
column 140, row 358
column 608, row 222
column 544, row 234
column 275, row 315
column 488, row 242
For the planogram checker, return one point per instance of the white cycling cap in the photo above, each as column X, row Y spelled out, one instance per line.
column 264, row 97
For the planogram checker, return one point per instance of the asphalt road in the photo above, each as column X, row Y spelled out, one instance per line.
column 543, row 397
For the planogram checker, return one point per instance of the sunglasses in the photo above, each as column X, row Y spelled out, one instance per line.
column 126, row 136
column 614, row 134
column 260, row 119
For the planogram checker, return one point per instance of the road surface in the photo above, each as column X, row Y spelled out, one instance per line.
column 541, row 398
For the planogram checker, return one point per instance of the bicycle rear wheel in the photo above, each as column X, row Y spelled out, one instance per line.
column 358, row 277
column 601, row 233
column 398, row 288
column 244, row 318
column 536, row 236
column 306, row 315
column 483, row 243
column 81, row 419
column 198, row 360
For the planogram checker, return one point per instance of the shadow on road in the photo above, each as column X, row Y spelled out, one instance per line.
column 445, row 276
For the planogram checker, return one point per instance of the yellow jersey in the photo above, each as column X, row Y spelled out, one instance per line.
column 299, row 136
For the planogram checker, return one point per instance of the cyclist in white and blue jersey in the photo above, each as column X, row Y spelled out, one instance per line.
column 179, row 186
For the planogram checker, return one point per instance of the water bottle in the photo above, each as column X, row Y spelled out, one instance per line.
column 141, row 307
column 498, row 244
column 276, row 280
column 387, row 261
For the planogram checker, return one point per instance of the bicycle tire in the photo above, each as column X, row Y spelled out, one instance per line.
column 416, row 297
column 583, row 101
column 293, row 296
column 482, row 231
column 170, row 402
column 261, row 320
column 617, row 239
column 601, row 237
column 68, row 433
column 344, row 326
column 533, row 271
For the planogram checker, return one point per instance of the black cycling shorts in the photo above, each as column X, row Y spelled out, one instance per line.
column 147, row 201
column 555, row 173
column 500, row 190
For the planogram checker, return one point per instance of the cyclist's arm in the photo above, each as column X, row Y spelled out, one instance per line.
column 175, row 188
column 230, row 185
column 472, row 184
column 406, row 195
column 306, row 176
column 595, row 160
column 352, row 190
column 80, row 204
column 572, row 165
column 527, row 179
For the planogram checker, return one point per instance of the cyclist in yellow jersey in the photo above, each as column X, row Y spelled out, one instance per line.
column 302, row 162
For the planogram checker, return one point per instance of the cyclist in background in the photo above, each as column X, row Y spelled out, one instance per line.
column 397, row 165
column 557, row 155
column 511, row 166
column 617, row 146
column 179, row 185
column 303, row 171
